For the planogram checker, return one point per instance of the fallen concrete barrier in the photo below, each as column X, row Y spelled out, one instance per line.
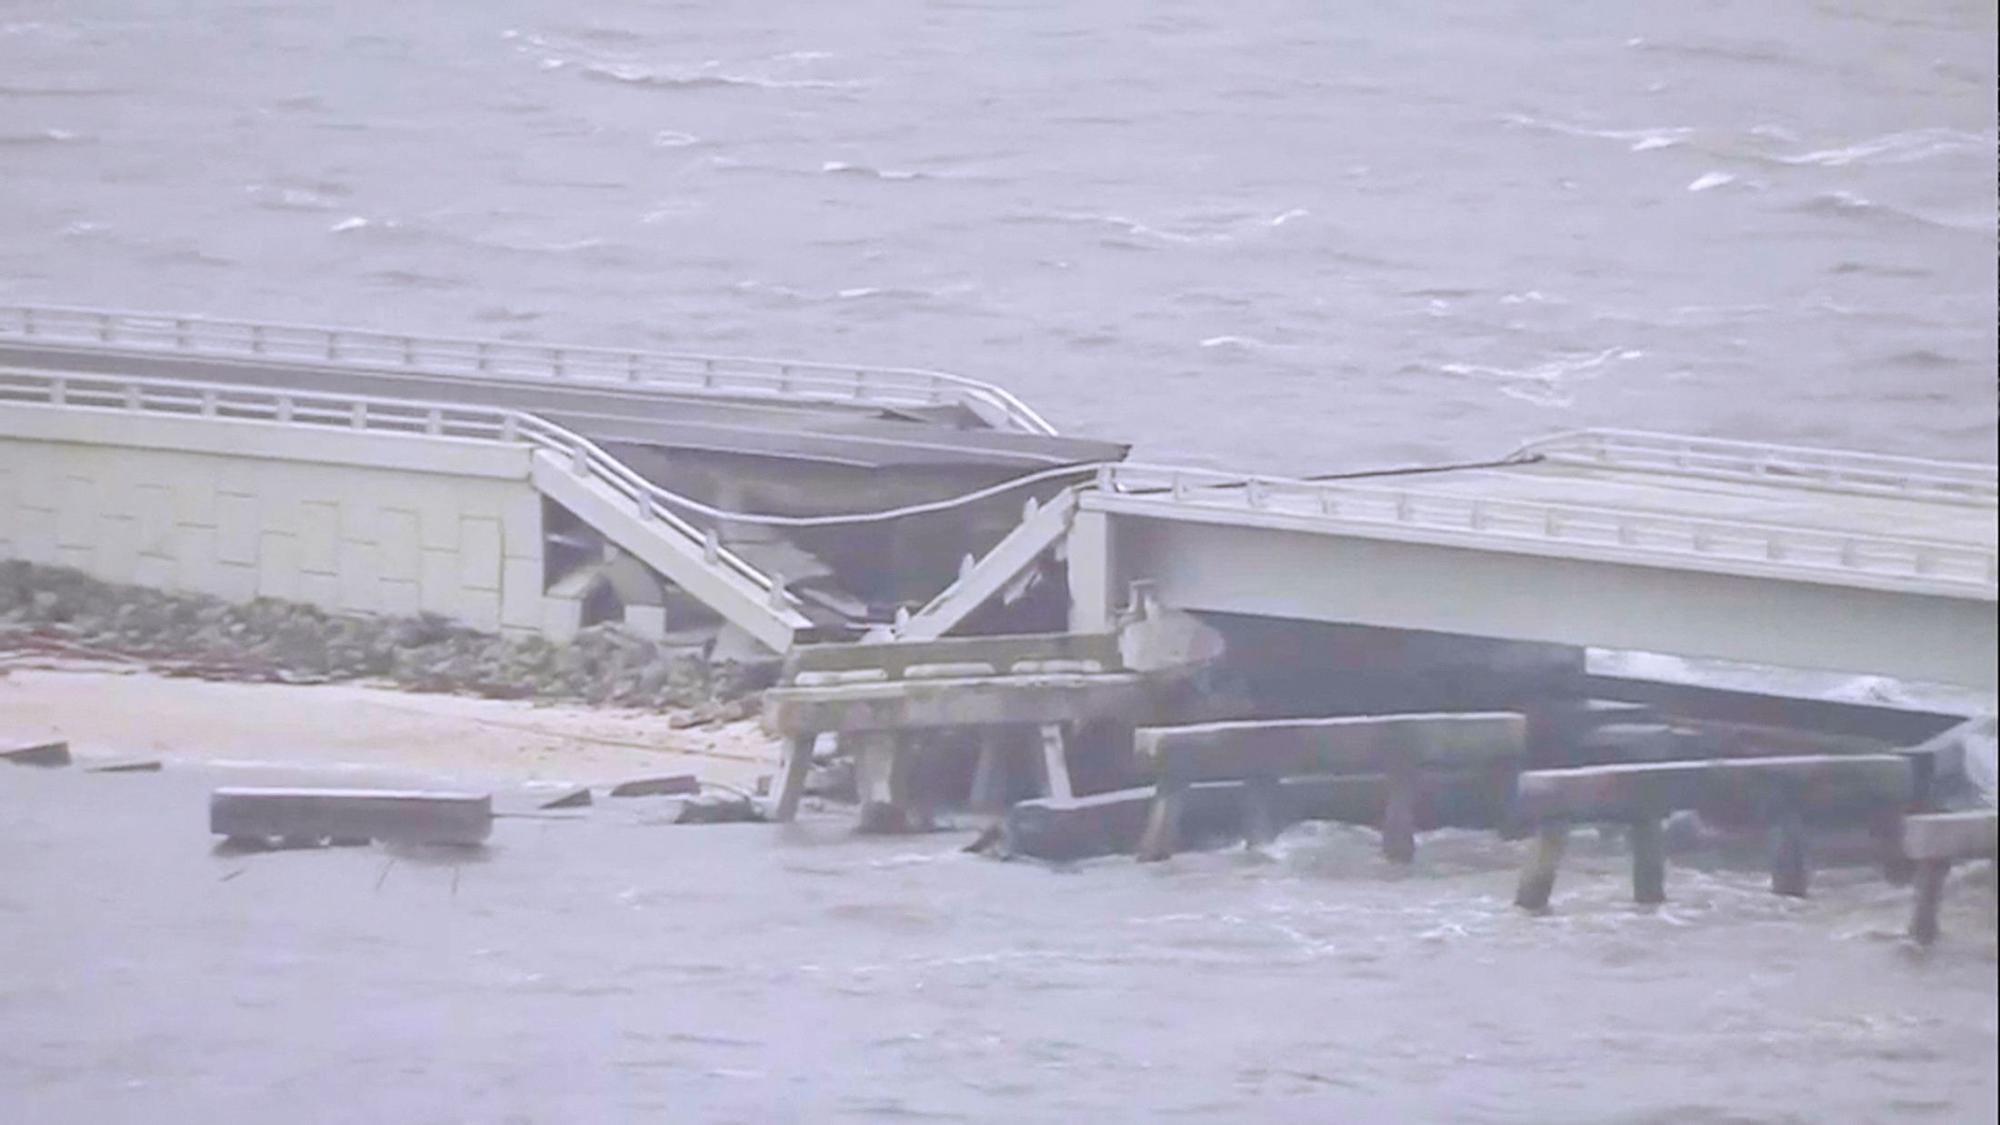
column 674, row 785
column 574, row 799
column 387, row 815
column 151, row 765
column 48, row 755
column 1934, row 841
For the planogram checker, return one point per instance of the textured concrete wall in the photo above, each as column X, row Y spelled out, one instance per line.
column 243, row 510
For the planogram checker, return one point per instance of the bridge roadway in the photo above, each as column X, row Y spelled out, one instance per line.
column 852, row 418
column 1655, row 543
column 1741, row 551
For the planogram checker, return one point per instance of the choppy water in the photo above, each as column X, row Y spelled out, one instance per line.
column 1271, row 235
column 605, row 969
column 1274, row 235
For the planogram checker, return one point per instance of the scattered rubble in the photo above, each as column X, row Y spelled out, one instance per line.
column 62, row 611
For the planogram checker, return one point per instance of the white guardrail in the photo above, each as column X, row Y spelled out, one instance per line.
column 732, row 376
column 1879, row 561
column 1872, row 474
column 365, row 414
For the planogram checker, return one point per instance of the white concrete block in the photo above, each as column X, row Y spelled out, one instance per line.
column 393, row 595
column 236, row 528
column 521, row 524
column 155, row 514
column 117, row 548
column 194, row 560
column 648, row 621
column 154, row 572
column 439, row 504
column 76, row 512
column 561, row 617
column 521, row 593
column 360, row 575
column 322, row 590
column 34, row 534
column 398, row 541
column 235, row 582
column 479, row 553
column 480, row 609
column 319, row 537
column 194, row 493
column 278, row 565
column 438, row 578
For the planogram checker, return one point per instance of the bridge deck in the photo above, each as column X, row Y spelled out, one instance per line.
column 1764, row 554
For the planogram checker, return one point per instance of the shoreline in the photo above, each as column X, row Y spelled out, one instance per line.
column 110, row 711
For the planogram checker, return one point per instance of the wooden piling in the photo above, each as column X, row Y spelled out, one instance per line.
column 1649, row 861
column 1260, row 810
column 1163, row 824
column 1399, row 811
column 1791, row 871
column 1538, row 876
column 1931, row 874
column 792, row 778
column 990, row 788
column 1055, row 763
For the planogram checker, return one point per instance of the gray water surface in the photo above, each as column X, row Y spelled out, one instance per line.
column 1282, row 236
column 605, row 968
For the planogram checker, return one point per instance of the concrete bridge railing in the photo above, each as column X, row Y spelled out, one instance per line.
column 1899, row 563
column 1871, row 474
column 46, row 326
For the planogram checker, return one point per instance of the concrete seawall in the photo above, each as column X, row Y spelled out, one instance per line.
column 349, row 522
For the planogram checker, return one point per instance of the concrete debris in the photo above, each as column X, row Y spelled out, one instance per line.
column 673, row 785
column 299, row 816
column 719, row 808
column 574, row 799
column 148, row 766
column 62, row 611
column 46, row 755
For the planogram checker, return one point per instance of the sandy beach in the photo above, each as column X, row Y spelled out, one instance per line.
column 110, row 711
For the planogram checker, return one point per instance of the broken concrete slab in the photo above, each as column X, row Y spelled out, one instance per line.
column 672, row 785
column 1958, row 835
column 718, row 808
column 574, row 799
column 150, row 765
column 47, row 755
column 394, row 816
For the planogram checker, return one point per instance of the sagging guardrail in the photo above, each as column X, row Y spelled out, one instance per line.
column 716, row 375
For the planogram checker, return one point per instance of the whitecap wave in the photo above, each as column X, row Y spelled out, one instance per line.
column 1546, row 383
column 39, row 137
column 1639, row 140
column 1709, row 181
column 843, row 168
column 1899, row 148
column 673, row 138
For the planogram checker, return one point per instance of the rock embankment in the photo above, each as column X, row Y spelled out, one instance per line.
column 60, row 610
